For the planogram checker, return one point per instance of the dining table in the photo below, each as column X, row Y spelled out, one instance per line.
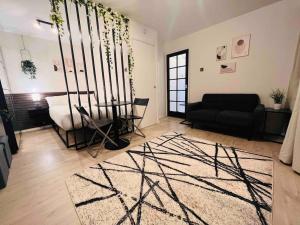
column 120, row 141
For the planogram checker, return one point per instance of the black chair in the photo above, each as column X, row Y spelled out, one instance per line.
column 131, row 118
column 97, row 126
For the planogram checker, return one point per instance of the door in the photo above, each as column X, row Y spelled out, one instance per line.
column 145, row 79
column 177, row 71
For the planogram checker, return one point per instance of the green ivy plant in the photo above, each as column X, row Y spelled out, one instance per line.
column 125, row 37
column 29, row 68
column 107, row 19
column 55, row 15
column 113, row 21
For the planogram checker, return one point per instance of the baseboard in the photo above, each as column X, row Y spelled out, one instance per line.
column 33, row 129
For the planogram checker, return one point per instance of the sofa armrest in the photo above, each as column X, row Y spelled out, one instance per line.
column 259, row 110
column 194, row 106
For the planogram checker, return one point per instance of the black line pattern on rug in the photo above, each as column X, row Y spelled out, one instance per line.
column 169, row 171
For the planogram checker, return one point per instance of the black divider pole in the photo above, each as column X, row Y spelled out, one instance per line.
column 84, row 60
column 116, row 68
column 123, row 78
column 131, row 101
column 66, row 81
column 101, row 61
column 72, row 51
column 92, row 56
column 73, row 57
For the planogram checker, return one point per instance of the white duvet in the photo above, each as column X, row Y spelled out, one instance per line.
column 60, row 114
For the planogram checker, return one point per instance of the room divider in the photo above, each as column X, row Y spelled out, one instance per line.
column 111, row 76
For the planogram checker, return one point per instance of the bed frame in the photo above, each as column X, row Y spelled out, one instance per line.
column 65, row 136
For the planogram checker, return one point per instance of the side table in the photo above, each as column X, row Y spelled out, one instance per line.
column 281, row 119
column 40, row 116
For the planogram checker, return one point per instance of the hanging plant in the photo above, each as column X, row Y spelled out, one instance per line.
column 117, row 27
column 130, row 50
column 113, row 21
column 27, row 65
column 107, row 19
column 29, row 68
column 90, row 5
column 80, row 2
column 55, row 15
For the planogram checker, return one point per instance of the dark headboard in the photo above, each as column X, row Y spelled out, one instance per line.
column 23, row 102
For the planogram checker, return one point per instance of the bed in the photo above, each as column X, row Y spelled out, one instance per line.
column 60, row 113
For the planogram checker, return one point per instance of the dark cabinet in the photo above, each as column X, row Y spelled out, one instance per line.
column 276, row 124
column 40, row 116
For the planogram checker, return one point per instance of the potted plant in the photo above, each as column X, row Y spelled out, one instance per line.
column 29, row 68
column 277, row 95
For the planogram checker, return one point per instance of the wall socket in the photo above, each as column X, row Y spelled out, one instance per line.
column 201, row 69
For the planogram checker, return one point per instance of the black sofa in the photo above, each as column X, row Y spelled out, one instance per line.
column 232, row 112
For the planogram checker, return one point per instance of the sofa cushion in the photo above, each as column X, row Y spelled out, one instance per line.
column 233, row 102
column 205, row 115
column 235, row 118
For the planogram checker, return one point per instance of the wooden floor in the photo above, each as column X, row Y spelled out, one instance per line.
column 36, row 192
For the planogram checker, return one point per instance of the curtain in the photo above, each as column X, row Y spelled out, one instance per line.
column 294, row 80
column 290, row 150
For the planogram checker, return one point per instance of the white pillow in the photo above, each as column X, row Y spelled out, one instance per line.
column 57, row 100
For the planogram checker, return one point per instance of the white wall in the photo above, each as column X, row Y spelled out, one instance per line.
column 274, row 31
column 145, row 71
column 161, row 81
column 44, row 51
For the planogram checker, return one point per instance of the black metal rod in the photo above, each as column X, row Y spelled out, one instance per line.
column 131, row 92
column 44, row 22
column 73, row 55
column 74, row 61
column 83, row 58
column 101, row 61
column 116, row 68
column 92, row 56
column 123, row 77
column 131, row 101
column 66, row 80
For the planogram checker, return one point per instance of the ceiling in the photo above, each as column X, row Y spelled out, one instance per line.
column 171, row 18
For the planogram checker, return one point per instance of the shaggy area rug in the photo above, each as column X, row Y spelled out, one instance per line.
column 176, row 179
